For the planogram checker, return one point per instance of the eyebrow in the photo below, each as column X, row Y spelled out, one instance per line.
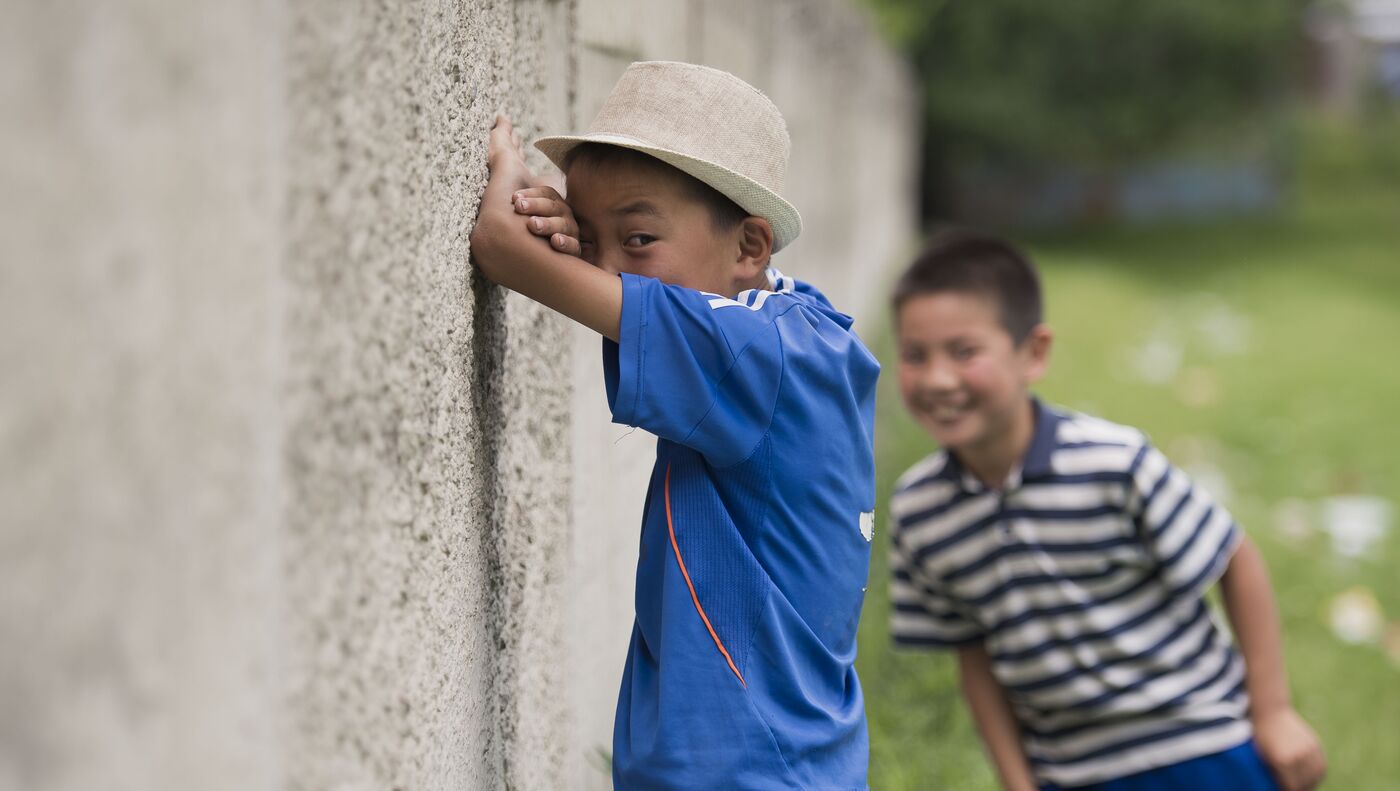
column 638, row 207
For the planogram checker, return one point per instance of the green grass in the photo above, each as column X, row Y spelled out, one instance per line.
column 1304, row 407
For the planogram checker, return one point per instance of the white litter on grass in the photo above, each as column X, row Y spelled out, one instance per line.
column 1357, row 523
column 1158, row 358
column 1355, row 616
column 1222, row 329
column 1202, row 322
column 1293, row 520
column 1212, row 479
column 1199, row 457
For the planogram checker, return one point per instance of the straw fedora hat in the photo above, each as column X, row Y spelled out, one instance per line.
column 704, row 122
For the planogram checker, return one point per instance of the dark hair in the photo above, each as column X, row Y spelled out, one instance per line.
column 725, row 214
column 975, row 263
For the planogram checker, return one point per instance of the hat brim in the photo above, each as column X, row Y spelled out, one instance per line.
column 751, row 196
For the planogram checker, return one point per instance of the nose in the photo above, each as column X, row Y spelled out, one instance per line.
column 939, row 374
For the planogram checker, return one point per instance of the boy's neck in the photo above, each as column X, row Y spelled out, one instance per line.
column 992, row 464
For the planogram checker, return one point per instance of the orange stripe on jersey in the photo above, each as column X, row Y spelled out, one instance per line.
column 672, row 528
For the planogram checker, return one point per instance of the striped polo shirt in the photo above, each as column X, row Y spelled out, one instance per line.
column 1084, row 579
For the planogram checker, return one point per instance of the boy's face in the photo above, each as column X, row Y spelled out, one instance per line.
column 962, row 376
column 641, row 220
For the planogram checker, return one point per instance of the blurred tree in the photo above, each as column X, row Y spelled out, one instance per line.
column 1088, row 83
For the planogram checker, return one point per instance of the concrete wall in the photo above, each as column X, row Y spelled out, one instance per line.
column 286, row 494
column 427, row 468
column 284, row 486
column 140, row 465
column 852, row 113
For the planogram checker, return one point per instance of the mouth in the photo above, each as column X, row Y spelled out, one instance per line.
column 944, row 412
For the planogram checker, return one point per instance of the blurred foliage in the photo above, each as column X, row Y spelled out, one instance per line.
column 1303, row 412
column 1090, row 82
column 1359, row 152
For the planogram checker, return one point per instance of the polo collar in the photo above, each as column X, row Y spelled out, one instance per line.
column 1035, row 463
column 1043, row 442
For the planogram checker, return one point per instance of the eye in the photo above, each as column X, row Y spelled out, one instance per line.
column 911, row 355
column 964, row 353
column 638, row 240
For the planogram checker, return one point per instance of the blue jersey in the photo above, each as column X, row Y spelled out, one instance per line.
column 755, row 543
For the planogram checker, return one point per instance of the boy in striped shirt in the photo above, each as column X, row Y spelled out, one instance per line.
column 1066, row 561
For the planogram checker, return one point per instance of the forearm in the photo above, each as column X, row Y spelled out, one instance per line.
column 508, row 254
column 1253, row 614
column 995, row 721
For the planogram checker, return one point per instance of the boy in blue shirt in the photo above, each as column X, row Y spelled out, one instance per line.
column 1066, row 561
column 756, row 531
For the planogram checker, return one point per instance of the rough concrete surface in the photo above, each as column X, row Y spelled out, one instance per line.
column 427, row 462
column 140, row 470
column 289, row 497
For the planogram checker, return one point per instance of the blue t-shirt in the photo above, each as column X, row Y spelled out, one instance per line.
column 755, row 541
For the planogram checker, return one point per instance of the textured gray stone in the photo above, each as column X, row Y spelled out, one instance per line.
column 427, row 417
column 140, row 471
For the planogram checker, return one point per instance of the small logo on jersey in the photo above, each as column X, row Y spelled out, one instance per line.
column 867, row 525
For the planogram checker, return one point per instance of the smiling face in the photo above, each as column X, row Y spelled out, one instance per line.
column 644, row 219
column 965, row 380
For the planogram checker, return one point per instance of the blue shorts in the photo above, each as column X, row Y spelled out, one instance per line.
column 1236, row 769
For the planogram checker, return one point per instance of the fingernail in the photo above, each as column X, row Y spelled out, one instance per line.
column 538, row 223
column 523, row 204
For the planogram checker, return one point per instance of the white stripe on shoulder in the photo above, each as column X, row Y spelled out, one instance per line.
column 1086, row 428
column 1093, row 459
column 931, row 464
column 752, row 299
column 908, row 501
column 778, row 282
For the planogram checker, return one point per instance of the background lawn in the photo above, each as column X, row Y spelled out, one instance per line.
column 1262, row 356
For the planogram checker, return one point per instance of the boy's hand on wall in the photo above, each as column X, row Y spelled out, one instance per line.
column 505, row 158
column 494, row 228
column 1291, row 749
column 509, row 252
column 549, row 217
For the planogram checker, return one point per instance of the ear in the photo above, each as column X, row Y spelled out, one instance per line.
column 1036, row 347
column 755, row 238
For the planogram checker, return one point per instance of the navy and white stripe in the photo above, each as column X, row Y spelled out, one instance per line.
column 1083, row 578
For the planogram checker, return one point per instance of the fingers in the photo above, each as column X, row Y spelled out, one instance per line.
column 548, row 212
column 1309, row 770
column 500, row 141
column 566, row 244
column 549, row 226
column 549, row 216
column 1303, row 771
column 541, row 202
column 505, row 137
column 545, row 192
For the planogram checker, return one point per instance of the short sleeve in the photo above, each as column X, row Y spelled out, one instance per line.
column 697, row 369
column 922, row 615
column 1188, row 535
